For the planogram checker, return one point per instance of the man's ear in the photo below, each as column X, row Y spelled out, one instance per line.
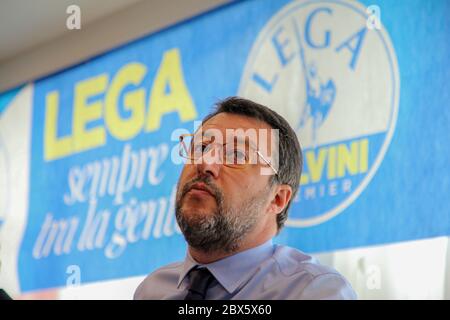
column 281, row 196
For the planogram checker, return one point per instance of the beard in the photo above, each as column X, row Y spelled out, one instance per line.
column 225, row 228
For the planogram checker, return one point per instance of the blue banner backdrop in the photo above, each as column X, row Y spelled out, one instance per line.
column 369, row 103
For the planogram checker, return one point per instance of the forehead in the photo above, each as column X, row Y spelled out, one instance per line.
column 234, row 121
column 224, row 120
column 229, row 121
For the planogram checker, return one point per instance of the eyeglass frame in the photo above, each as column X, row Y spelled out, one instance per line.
column 268, row 162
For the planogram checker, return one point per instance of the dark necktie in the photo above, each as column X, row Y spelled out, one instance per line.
column 200, row 279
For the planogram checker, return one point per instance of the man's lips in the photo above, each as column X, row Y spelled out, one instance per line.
column 200, row 189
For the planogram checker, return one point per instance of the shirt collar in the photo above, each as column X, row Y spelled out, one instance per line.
column 232, row 271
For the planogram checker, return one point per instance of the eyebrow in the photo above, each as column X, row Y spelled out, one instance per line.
column 236, row 139
column 246, row 141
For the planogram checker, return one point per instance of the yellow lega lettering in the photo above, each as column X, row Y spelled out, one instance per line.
column 161, row 102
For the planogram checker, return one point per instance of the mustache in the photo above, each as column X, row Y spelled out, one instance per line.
column 216, row 192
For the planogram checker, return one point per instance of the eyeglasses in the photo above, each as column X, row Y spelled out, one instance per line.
column 236, row 155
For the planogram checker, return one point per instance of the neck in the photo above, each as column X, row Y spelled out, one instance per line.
column 208, row 257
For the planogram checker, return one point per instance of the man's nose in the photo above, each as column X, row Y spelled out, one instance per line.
column 211, row 163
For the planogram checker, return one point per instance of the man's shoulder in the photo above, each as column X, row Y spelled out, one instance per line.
column 292, row 261
column 314, row 280
column 165, row 276
column 172, row 267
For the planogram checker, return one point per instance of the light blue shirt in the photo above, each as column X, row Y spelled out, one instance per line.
column 265, row 272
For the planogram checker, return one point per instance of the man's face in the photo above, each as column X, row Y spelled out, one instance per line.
column 218, row 205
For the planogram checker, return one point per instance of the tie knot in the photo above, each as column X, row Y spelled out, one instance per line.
column 200, row 279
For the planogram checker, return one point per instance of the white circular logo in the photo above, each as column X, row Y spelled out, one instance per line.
column 337, row 82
